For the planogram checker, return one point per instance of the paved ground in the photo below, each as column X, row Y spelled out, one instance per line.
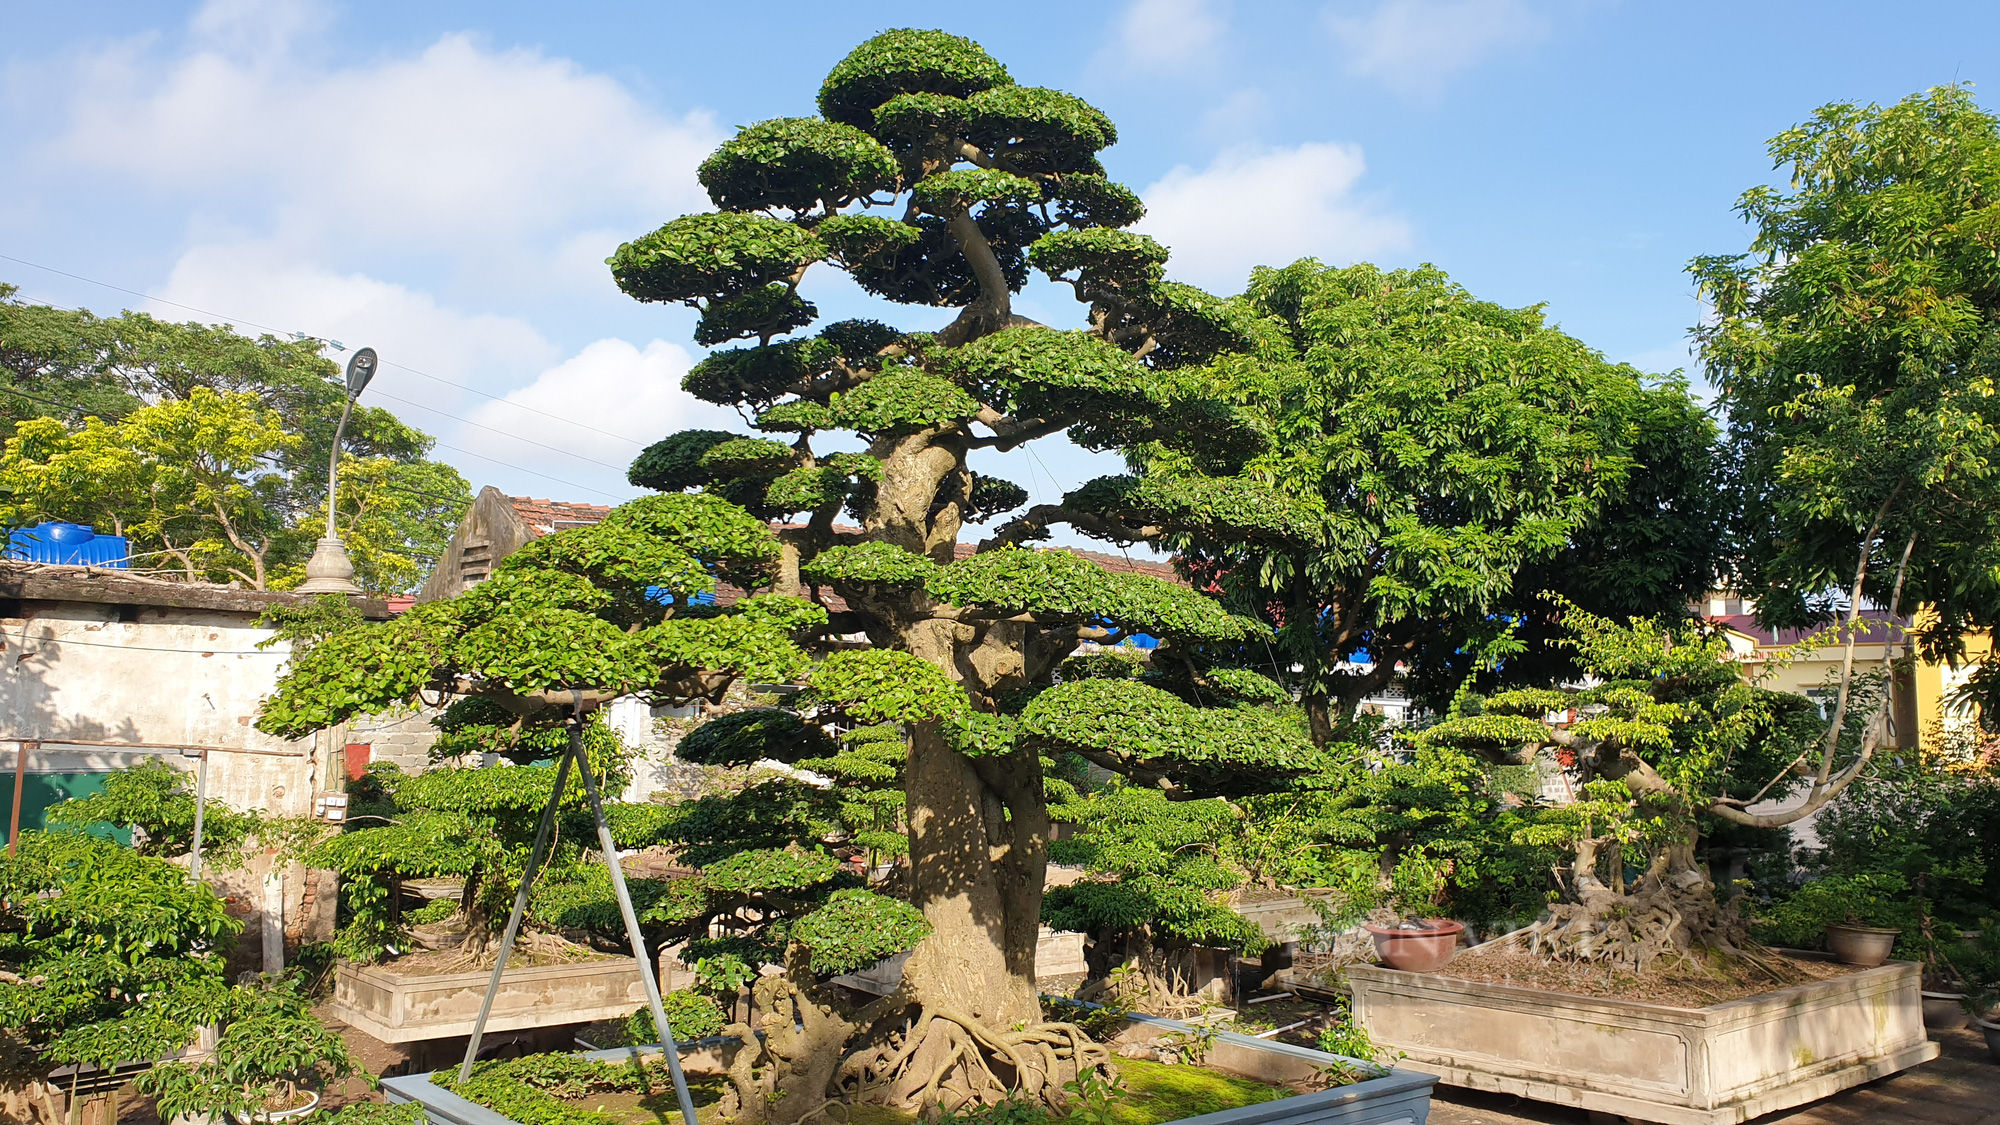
column 1959, row 1087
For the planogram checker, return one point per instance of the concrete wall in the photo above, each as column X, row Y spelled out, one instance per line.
column 99, row 685
column 162, row 676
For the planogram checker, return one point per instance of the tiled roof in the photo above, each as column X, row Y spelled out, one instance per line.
column 546, row 516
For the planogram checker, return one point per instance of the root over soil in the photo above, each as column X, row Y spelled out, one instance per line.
column 804, row 1055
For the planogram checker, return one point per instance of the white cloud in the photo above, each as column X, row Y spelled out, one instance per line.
column 612, row 391
column 1254, row 207
column 1237, row 116
column 490, row 157
column 450, row 207
column 263, row 284
column 1412, row 46
column 1157, row 35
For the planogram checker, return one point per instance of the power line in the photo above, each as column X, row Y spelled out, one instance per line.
column 531, row 472
column 502, row 433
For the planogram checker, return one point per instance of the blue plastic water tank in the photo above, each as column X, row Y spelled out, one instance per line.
column 68, row 544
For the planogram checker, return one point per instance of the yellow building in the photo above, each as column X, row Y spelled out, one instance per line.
column 1920, row 710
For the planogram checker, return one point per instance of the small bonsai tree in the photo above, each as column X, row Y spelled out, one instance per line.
column 156, row 803
column 467, row 823
column 271, row 1054
column 111, row 956
column 1669, row 735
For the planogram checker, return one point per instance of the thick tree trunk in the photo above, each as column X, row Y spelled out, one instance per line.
column 976, row 872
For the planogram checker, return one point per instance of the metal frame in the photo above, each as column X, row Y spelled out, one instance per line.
column 610, row 850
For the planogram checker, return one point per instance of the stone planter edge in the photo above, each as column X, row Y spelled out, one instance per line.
column 1816, row 1080
column 1398, row 1095
column 397, row 987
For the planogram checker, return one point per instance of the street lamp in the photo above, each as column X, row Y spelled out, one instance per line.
column 330, row 571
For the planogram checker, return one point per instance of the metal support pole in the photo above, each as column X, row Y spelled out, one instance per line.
column 20, row 781
column 514, row 917
column 668, row 1046
column 200, row 806
column 333, row 462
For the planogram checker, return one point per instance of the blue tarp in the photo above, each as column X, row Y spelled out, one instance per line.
column 68, row 544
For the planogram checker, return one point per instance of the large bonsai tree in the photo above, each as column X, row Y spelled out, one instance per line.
column 931, row 178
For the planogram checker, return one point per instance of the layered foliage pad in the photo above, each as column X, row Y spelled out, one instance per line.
column 1856, row 349
column 1669, row 730
column 111, row 956
column 610, row 607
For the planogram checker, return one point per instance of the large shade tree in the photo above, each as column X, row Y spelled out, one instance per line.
column 933, row 179
column 208, row 449
column 1437, row 463
column 1856, row 347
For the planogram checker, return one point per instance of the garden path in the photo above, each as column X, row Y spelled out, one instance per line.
column 1959, row 1087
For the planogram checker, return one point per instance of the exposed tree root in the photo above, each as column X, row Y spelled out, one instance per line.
column 1142, row 974
column 804, row 1054
column 1669, row 918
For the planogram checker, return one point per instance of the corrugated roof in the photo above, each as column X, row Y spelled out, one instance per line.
column 1875, row 629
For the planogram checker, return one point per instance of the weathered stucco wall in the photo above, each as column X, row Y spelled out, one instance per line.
column 100, row 671
column 156, row 675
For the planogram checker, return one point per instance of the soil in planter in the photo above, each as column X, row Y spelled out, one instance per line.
column 1155, row 1093
column 530, row 949
column 1679, row 986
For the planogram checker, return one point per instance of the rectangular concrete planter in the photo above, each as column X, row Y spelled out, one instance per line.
column 403, row 1008
column 1398, row 1097
column 1718, row 1065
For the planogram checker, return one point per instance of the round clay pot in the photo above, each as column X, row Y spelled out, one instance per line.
column 1944, row 1011
column 1991, row 1029
column 1418, row 951
column 1866, row 946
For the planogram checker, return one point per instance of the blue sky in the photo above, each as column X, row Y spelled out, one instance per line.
column 443, row 180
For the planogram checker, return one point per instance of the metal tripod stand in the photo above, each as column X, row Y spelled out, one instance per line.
column 535, row 857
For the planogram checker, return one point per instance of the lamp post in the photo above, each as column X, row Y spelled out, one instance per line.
column 330, row 571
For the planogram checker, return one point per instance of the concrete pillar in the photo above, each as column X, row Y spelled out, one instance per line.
column 274, row 921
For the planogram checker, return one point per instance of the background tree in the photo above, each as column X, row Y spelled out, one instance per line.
column 1856, row 348
column 210, row 448
column 980, row 177
column 1434, row 463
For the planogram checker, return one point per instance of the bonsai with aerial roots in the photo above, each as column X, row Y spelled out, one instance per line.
column 931, row 178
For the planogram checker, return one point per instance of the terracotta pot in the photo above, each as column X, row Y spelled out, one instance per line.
column 1944, row 1011
column 1991, row 1029
column 1418, row 951
column 1866, row 946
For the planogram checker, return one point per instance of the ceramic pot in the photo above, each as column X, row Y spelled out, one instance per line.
column 1991, row 1029
column 1418, row 951
column 1866, row 946
column 1944, row 1011
column 279, row 1116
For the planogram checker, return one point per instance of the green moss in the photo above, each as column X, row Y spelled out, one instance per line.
column 600, row 1093
column 1159, row 1092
